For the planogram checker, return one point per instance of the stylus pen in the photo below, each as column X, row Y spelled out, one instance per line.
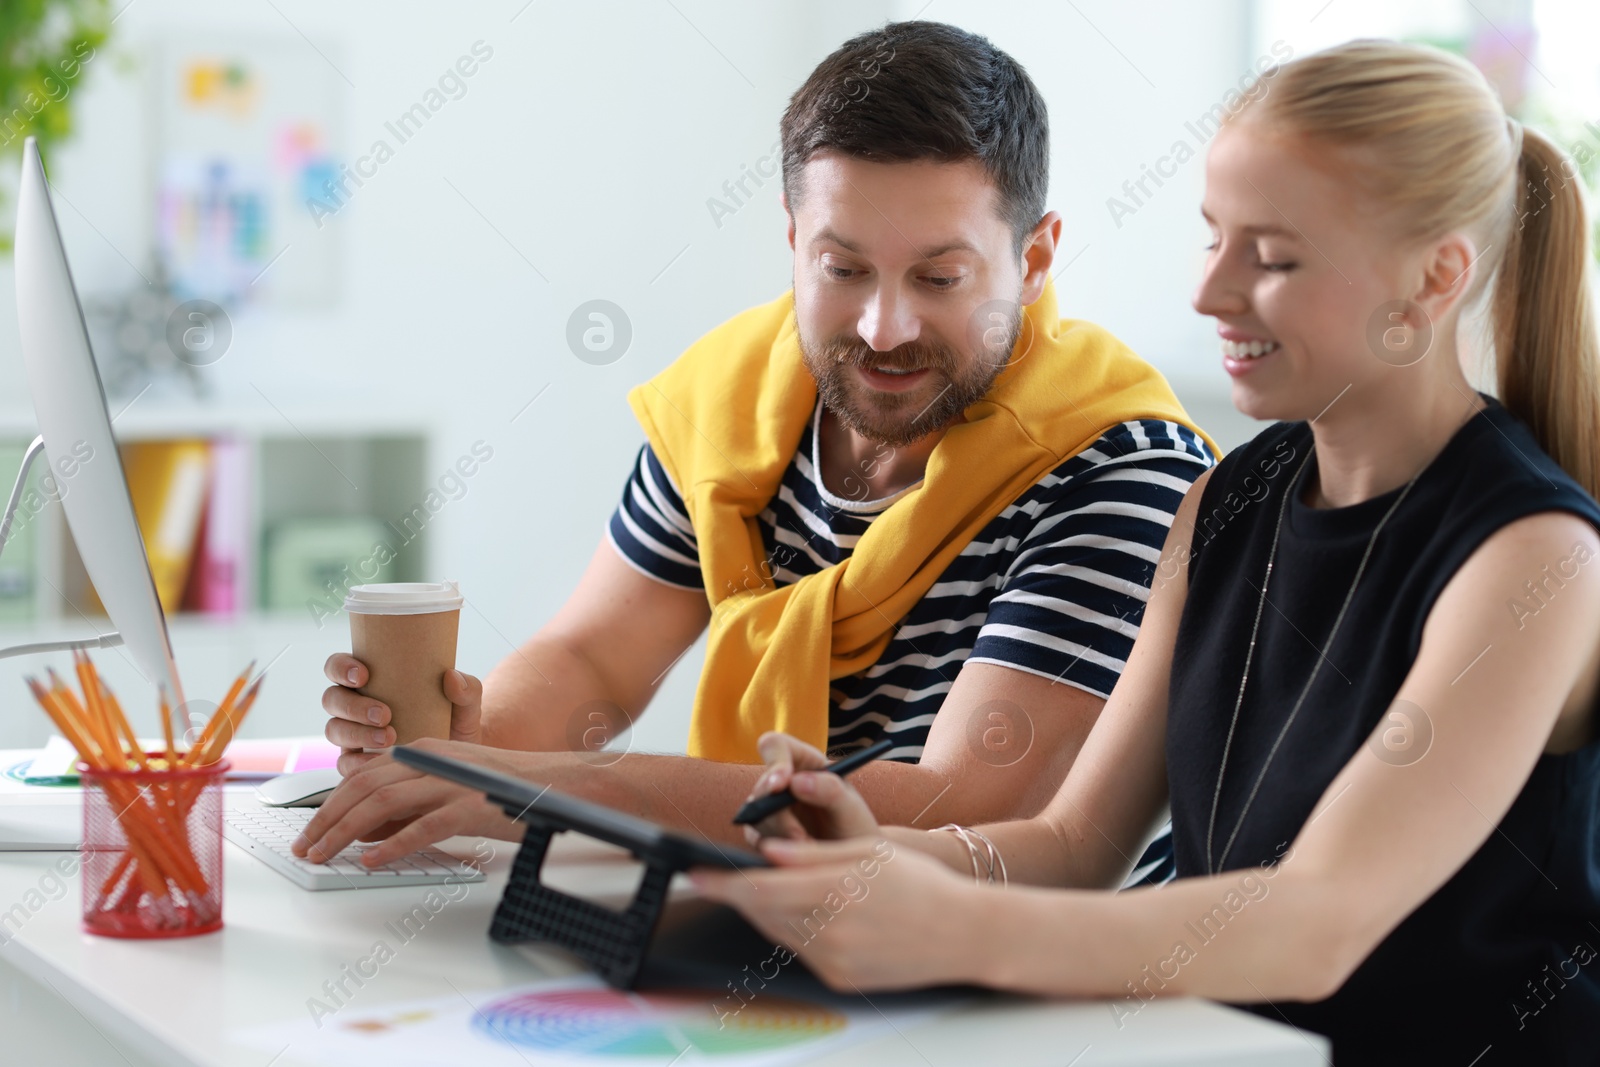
column 761, row 807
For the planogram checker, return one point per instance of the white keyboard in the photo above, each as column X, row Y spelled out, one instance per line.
column 266, row 834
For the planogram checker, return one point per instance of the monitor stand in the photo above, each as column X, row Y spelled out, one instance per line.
column 99, row 641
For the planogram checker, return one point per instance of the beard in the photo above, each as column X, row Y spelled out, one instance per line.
column 897, row 419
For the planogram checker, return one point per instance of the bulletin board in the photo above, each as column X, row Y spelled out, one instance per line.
column 247, row 132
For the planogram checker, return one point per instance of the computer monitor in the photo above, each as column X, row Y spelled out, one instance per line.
column 71, row 406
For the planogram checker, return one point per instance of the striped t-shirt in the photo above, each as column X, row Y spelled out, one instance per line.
column 1054, row 585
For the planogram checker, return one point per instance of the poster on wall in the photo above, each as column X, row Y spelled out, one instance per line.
column 247, row 131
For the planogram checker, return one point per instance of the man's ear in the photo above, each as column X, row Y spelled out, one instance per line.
column 1039, row 255
column 783, row 198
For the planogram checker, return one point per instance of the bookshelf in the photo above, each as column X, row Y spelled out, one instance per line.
column 307, row 492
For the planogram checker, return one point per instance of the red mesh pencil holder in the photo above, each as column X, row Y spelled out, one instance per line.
column 152, row 850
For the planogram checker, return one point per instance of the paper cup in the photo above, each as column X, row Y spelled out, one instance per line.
column 405, row 633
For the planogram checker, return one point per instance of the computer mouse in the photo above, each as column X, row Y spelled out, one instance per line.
column 303, row 789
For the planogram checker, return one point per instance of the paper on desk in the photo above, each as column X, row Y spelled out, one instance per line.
column 252, row 759
column 56, row 761
column 578, row 1020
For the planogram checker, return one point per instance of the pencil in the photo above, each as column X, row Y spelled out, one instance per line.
column 166, row 729
column 88, row 751
column 108, row 700
column 216, row 720
column 90, row 712
column 230, row 718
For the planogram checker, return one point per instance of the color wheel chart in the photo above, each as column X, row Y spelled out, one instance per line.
column 578, row 1021
column 608, row 1023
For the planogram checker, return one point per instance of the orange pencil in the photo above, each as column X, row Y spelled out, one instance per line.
column 166, row 729
column 227, row 704
column 71, row 730
column 149, row 870
column 231, row 718
column 95, row 712
column 89, row 713
column 62, row 692
column 111, row 711
column 108, row 701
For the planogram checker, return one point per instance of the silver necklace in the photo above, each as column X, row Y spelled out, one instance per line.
column 1215, row 866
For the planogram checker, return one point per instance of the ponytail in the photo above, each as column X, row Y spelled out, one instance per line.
column 1547, row 353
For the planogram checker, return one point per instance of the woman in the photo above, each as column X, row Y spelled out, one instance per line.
column 1367, row 673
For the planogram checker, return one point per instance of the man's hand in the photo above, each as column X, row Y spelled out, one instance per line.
column 359, row 722
column 404, row 809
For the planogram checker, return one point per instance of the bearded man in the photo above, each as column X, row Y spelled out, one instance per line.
column 908, row 500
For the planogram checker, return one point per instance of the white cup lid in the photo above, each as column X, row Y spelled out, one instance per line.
column 403, row 598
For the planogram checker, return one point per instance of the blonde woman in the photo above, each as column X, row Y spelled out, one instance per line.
column 1366, row 680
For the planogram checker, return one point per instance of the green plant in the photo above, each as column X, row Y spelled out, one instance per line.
column 45, row 45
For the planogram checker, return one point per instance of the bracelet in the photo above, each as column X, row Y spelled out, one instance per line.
column 972, row 849
column 989, row 858
column 995, row 859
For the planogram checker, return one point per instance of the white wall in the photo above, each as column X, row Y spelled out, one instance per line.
column 1121, row 81
column 592, row 141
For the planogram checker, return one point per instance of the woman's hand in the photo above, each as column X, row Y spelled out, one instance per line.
column 359, row 722
column 828, row 806
column 862, row 914
column 404, row 810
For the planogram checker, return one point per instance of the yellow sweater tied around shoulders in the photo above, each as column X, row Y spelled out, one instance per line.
column 725, row 420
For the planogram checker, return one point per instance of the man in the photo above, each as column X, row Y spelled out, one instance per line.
column 907, row 499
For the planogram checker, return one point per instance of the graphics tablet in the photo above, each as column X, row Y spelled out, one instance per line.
column 540, row 805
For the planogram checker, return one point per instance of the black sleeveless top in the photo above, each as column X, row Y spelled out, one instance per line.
column 1501, row 963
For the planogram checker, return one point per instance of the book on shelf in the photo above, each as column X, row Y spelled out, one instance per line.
column 218, row 574
column 167, row 481
column 190, row 498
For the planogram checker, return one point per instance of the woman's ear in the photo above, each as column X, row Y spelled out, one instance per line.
column 1448, row 269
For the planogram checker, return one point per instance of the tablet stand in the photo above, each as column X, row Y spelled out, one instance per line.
column 612, row 942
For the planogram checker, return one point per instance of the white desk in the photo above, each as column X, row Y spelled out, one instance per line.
column 69, row 998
